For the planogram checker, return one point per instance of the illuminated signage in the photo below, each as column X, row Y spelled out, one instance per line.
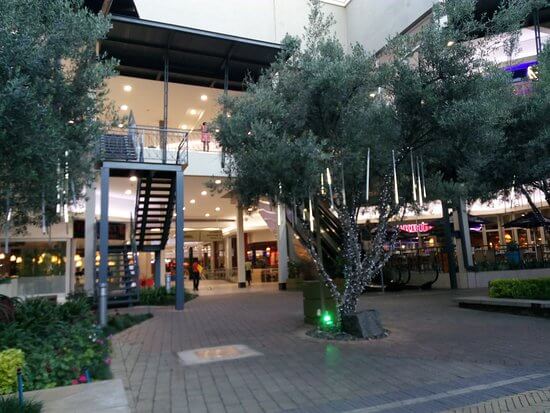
column 413, row 228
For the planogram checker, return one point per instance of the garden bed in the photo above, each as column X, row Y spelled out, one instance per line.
column 55, row 345
column 159, row 296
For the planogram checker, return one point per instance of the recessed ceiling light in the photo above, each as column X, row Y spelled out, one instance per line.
column 217, row 130
column 133, row 178
column 193, row 112
column 192, row 201
column 123, row 107
column 183, row 126
column 128, row 192
column 450, row 43
column 249, row 209
column 204, row 193
column 71, row 122
column 229, row 115
column 218, row 209
column 127, row 88
column 372, row 95
column 121, row 125
column 204, row 98
column 207, row 215
column 218, row 181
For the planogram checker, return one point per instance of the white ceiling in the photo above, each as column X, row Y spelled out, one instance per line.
column 146, row 101
column 122, row 205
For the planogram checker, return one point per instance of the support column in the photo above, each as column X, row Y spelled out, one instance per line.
column 501, row 234
column 158, row 265
column 179, row 241
column 228, row 254
column 104, row 247
column 465, row 246
column 241, row 273
column 449, row 245
column 89, row 241
column 282, row 246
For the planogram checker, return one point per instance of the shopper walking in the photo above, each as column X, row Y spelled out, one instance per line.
column 195, row 273
column 248, row 272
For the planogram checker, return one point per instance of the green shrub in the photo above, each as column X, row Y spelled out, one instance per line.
column 159, row 296
column 11, row 360
column 534, row 289
column 119, row 322
column 59, row 342
column 10, row 404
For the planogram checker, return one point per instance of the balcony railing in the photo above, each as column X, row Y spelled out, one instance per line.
column 145, row 144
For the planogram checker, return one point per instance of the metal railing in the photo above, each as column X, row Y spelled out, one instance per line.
column 146, row 144
column 510, row 257
column 222, row 274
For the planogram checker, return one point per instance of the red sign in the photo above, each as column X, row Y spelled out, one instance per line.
column 413, row 228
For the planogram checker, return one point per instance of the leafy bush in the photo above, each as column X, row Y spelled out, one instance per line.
column 119, row 322
column 59, row 342
column 159, row 296
column 10, row 404
column 11, row 360
column 534, row 289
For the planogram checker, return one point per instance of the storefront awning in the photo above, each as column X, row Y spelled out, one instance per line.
column 196, row 57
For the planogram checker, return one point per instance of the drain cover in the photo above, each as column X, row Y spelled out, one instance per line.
column 213, row 354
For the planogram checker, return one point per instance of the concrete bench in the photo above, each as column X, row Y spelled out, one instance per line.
column 510, row 304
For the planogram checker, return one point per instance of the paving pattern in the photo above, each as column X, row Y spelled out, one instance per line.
column 437, row 357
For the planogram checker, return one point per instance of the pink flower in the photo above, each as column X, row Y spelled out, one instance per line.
column 100, row 341
column 74, row 382
column 82, row 378
column 107, row 360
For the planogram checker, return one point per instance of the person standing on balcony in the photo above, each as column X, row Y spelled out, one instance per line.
column 205, row 137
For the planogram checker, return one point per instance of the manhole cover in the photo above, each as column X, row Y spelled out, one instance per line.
column 213, row 354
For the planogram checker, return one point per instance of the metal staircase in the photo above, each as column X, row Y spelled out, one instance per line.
column 155, row 197
column 329, row 233
column 123, row 277
column 117, row 147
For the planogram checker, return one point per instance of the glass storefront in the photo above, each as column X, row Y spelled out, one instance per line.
column 33, row 268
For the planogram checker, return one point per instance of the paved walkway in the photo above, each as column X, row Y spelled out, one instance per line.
column 438, row 357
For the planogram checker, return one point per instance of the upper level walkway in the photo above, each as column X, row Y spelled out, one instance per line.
column 153, row 145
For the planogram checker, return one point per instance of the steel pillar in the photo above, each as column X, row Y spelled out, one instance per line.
column 449, row 245
column 89, row 241
column 179, row 241
column 241, row 272
column 157, row 269
column 104, row 247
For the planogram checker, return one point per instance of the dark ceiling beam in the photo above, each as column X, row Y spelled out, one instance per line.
column 247, row 62
column 175, row 77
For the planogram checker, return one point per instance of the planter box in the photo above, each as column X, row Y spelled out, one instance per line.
column 317, row 297
column 294, row 284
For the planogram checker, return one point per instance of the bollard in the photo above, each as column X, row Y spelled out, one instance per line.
column 20, row 387
column 88, row 376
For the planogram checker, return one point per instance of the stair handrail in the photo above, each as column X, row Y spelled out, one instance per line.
column 135, row 256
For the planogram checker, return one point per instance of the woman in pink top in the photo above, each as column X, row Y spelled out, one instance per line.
column 205, row 137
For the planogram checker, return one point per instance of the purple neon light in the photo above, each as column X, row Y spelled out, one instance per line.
column 521, row 66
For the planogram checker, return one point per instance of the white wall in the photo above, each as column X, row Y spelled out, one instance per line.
column 266, row 20
column 371, row 22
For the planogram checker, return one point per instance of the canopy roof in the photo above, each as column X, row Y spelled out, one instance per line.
column 196, row 57
column 528, row 220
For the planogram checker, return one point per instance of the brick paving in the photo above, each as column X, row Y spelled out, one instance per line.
column 438, row 357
